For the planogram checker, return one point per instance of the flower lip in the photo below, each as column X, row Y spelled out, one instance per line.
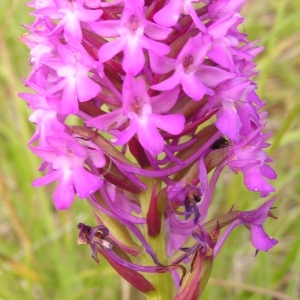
column 254, row 220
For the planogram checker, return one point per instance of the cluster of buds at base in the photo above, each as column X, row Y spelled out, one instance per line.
column 135, row 103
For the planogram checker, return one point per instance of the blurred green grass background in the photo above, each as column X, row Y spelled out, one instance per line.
column 39, row 256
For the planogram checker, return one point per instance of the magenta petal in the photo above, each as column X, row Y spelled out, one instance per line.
column 126, row 134
column 172, row 11
column 212, row 76
column 89, row 15
column 106, row 29
column 49, row 11
column 220, row 54
column 104, row 122
column 242, row 164
column 254, row 181
column 69, row 104
column 224, row 7
column 46, row 179
column 168, row 84
column 46, row 154
column 157, row 32
column 151, row 139
column 57, row 87
column 157, row 47
column 97, row 158
column 197, row 47
column 110, row 49
column 259, row 215
column 268, row 172
column 260, row 240
column 161, row 64
column 134, row 59
column 73, row 28
column 64, row 194
column 190, row 9
column 194, row 87
column 87, row 89
column 165, row 101
column 85, row 182
column 173, row 124
column 220, row 28
column 229, row 122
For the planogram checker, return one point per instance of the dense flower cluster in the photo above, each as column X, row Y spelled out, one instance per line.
column 161, row 94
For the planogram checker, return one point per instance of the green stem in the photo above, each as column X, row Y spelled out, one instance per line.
column 163, row 281
column 293, row 113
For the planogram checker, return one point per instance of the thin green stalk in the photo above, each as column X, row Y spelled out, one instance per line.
column 293, row 113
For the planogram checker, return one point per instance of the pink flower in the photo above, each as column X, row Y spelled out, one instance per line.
column 132, row 32
column 70, row 14
column 67, row 165
column 170, row 13
column 247, row 156
column 189, row 69
column 253, row 220
column 145, row 116
column 73, row 69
